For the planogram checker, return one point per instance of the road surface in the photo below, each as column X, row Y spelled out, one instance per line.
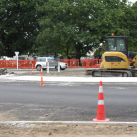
column 27, row 101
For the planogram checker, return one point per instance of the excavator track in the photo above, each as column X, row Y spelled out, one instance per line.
column 112, row 73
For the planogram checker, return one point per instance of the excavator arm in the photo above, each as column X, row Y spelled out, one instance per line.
column 133, row 61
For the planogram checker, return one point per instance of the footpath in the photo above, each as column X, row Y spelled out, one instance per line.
column 71, row 75
column 66, row 128
column 71, row 79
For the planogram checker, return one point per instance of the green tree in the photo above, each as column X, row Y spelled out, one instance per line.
column 132, row 25
column 99, row 51
column 18, row 26
column 80, row 25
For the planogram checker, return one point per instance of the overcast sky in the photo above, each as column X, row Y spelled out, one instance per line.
column 133, row 1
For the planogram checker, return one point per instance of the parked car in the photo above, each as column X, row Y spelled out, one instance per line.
column 42, row 61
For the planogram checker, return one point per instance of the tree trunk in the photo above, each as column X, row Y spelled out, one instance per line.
column 78, row 52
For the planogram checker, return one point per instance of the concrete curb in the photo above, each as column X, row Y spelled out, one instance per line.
column 84, row 123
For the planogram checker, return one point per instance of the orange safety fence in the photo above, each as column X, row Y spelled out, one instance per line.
column 72, row 63
column 22, row 64
column 91, row 63
column 83, row 63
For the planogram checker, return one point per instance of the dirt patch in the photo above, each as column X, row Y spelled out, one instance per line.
column 68, row 131
column 68, row 73
column 6, row 117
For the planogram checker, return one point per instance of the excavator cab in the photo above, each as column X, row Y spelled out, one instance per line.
column 117, row 44
column 116, row 56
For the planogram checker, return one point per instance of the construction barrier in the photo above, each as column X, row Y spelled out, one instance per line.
column 91, row 63
column 30, row 64
column 83, row 63
column 72, row 63
column 22, row 64
column 86, row 63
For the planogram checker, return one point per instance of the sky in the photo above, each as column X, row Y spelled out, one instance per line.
column 133, row 1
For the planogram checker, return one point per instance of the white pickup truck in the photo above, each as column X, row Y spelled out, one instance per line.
column 42, row 61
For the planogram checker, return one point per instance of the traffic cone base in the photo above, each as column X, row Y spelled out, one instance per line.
column 42, row 83
column 96, row 120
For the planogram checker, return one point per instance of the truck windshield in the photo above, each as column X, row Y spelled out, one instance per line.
column 116, row 44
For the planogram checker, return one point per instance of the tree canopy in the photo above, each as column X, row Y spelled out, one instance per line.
column 18, row 26
column 79, row 25
column 132, row 26
column 67, row 27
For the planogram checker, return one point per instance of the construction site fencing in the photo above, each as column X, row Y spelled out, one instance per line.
column 91, row 63
column 72, row 63
column 85, row 63
column 22, row 64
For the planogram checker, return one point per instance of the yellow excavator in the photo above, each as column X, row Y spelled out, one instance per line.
column 115, row 60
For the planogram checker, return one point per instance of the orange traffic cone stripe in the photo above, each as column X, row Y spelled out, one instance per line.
column 101, row 116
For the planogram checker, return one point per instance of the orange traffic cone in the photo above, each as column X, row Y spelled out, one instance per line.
column 101, row 117
column 32, row 69
column 41, row 78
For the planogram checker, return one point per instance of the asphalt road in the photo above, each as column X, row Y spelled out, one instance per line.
column 66, row 101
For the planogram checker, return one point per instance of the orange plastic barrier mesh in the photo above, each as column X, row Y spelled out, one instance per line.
column 22, row 64
column 26, row 64
column 72, row 63
column 91, row 63
column 83, row 63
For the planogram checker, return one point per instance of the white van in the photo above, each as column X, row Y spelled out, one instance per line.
column 41, row 61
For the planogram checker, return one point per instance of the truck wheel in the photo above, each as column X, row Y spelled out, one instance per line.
column 38, row 67
column 62, row 68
